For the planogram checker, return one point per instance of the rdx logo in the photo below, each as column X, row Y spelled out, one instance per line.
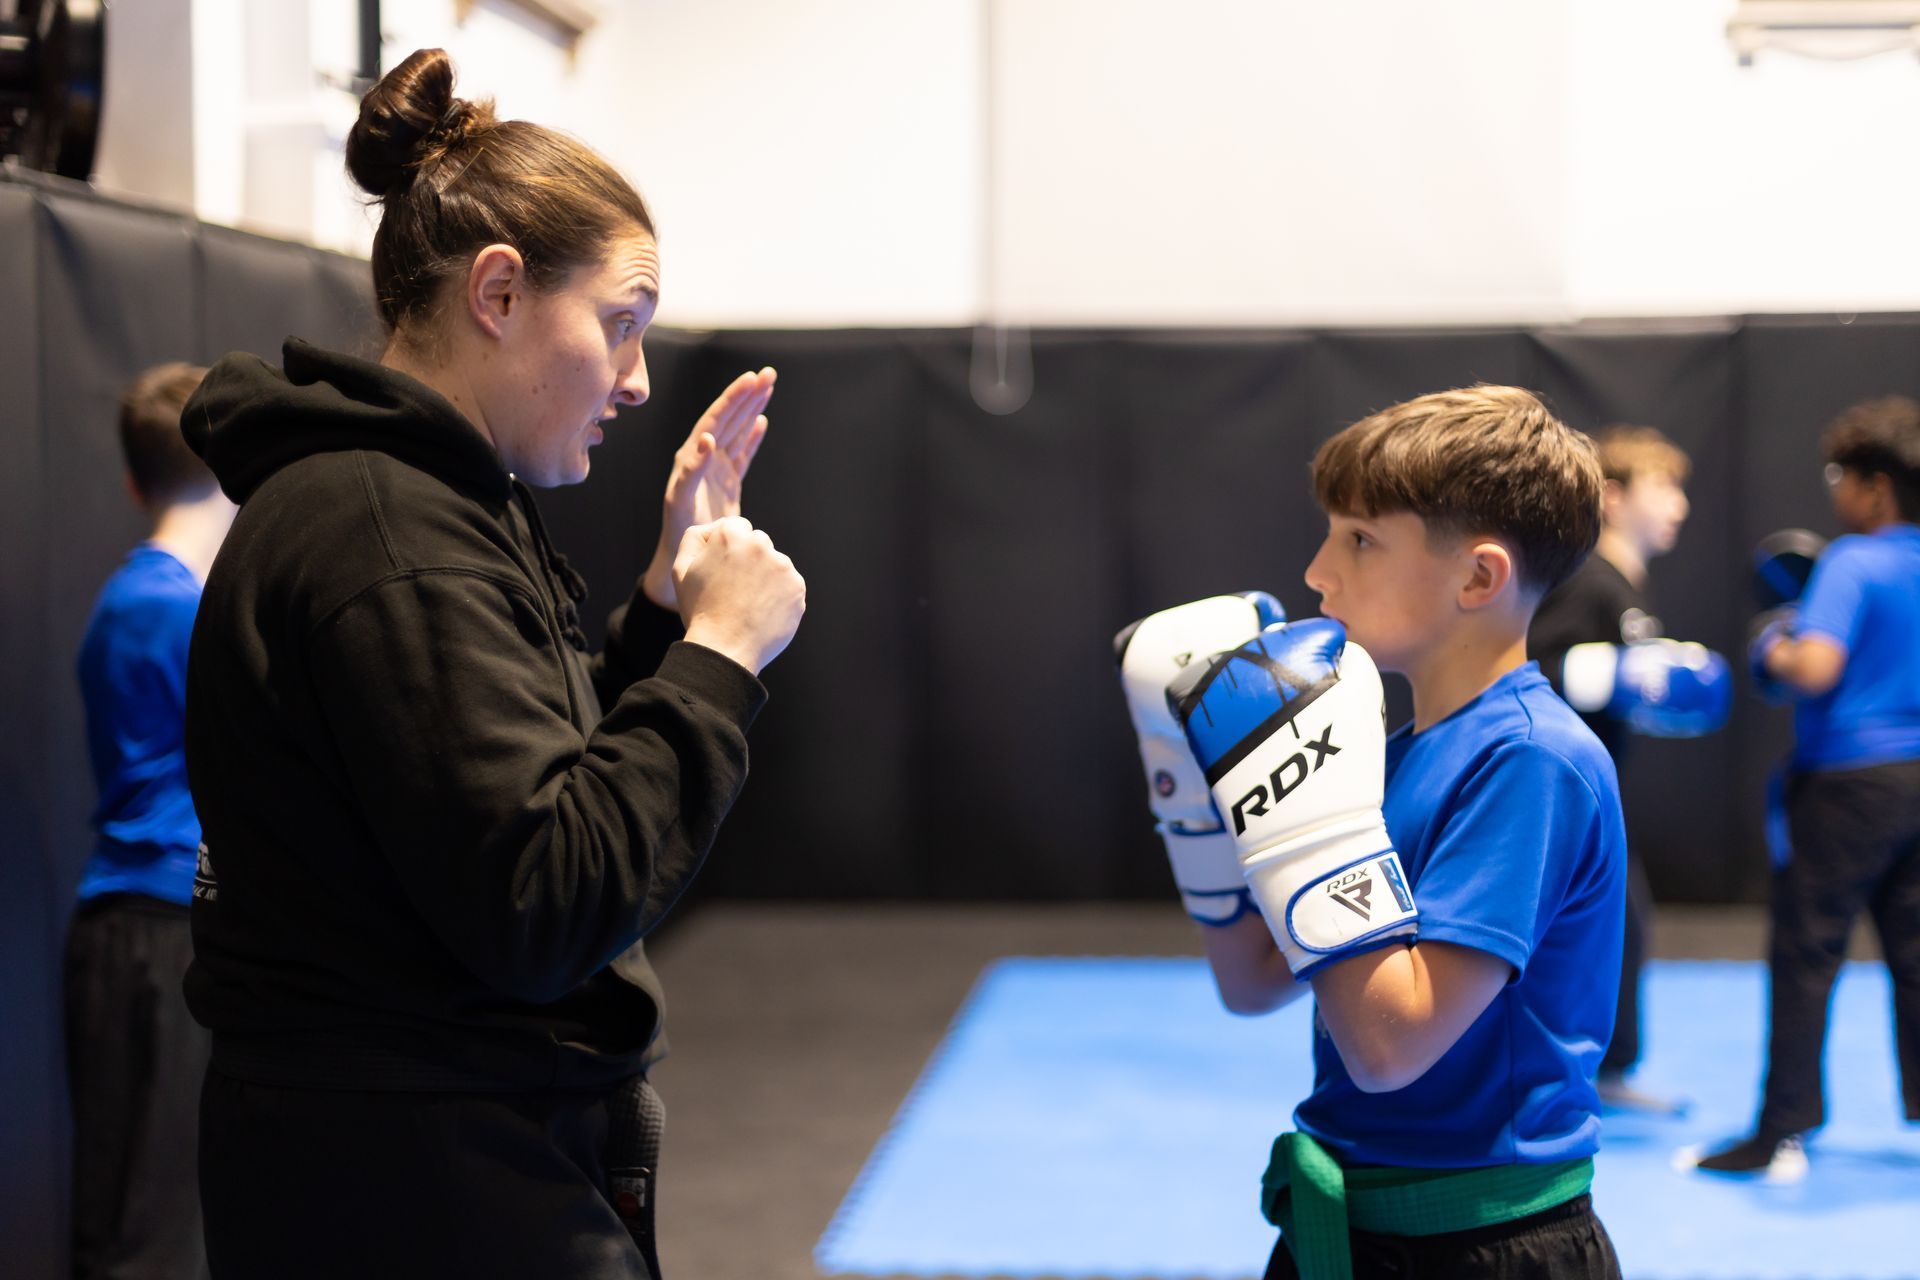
column 1292, row 772
column 1354, row 891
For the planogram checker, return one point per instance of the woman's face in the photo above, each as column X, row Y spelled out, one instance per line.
column 571, row 360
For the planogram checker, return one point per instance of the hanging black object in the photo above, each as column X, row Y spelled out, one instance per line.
column 367, row 74
column 52, row 65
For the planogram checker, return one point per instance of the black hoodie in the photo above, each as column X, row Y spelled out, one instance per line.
column 435, row 827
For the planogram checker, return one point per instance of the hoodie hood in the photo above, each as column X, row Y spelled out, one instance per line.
column 249, row 420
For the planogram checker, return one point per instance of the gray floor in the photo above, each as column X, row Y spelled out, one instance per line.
column 797, row 1031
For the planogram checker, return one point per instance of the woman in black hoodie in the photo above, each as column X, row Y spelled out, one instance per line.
column 436, row 827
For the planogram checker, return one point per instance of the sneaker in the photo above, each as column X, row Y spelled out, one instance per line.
column 1778, row 1159
column 1618, row 1095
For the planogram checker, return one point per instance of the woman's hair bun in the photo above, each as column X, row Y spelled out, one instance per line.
column 407, row 120
column 452, row 178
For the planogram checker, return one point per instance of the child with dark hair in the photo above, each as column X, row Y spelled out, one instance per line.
column 134, row 1056
column 1452, row 894
column 1845, row 654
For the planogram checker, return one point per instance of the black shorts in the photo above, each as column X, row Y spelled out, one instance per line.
column 1565, row 1242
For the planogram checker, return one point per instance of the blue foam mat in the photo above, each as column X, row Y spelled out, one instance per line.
column 1105, row 1118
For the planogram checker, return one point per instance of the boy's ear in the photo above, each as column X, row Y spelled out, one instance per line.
column 1491, row 575
column 1880, row 485
column 1613, row 495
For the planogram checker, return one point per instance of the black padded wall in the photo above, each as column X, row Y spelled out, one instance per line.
column 977, row 748
column 32, row 1116
column 1682, row 378
column 946, row 725
column 250, row 289
column 97, row 291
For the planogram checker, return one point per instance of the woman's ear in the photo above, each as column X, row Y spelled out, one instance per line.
column 1491, row 573
column 496, row 286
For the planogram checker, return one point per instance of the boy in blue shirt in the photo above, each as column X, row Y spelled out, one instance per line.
column 135, row 1057
column 1460, row 932
column 1848, row 656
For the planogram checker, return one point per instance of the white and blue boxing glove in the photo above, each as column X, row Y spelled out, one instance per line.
column 1290, row 730
column 1151, row 652
column 1661, row 688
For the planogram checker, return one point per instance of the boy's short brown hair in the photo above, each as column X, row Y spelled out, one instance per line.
column 163, row 468
column 1627, row 451
column 1881, row 437
column 1481, row 460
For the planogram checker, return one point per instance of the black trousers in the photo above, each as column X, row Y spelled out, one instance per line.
column 135, row 1058
column 1565, row 1242
column 1856, row 845
column 314, row 1184
column 1624, row 1049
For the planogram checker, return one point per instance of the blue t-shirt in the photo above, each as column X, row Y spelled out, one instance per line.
column 1865, row 595
column 133, row 679
column 1507, row 818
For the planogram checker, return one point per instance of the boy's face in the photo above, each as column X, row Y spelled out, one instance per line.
column 1647, row 510
column 1380, row 577
column 1862, row 502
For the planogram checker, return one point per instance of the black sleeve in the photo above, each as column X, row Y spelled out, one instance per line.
column 639, row 634
column 1571, row 614
column 536, row 856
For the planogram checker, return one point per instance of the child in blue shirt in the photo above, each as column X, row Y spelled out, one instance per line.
column 135, row 1057
column 1847, row 655
column 1464, row 959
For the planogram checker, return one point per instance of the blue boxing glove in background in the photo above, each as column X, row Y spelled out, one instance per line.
column 1150, row 653
column 1782, row 564
column 1765, row 631
column 1290, row 729
column 1661, row 688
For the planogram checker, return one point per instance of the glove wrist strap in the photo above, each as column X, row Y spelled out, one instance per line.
column 1332, row 891
column 1206, row 868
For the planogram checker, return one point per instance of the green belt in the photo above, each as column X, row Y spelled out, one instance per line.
column 1314, row 1201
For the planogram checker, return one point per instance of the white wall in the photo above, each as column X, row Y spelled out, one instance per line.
column 1223, row 161
column 813, row 163
column 146, row 119
column 1700, row 186
column 841, row 162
